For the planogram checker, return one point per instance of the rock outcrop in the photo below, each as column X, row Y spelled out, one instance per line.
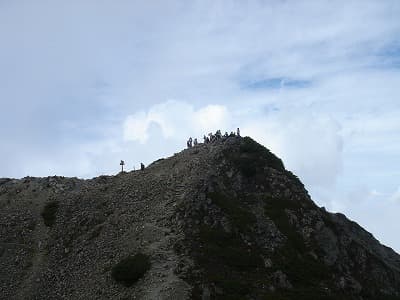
column 217, row 221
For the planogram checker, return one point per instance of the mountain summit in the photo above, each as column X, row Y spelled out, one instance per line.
column 223, row 220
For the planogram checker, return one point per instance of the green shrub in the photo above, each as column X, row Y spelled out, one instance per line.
column 240, row 216
column 253, row 157
column 49, row 213
column 250, row 146
column 229, row 289
column 228, row 262
column 227, row 250
column 293, row 257
column 131, row 269
column 294, row 178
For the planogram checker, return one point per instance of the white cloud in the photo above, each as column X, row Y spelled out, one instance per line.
column 310, row 145
column 395, row 197
column 176, row 119
column 135, row 127
column 210, row 117
column 71, row 76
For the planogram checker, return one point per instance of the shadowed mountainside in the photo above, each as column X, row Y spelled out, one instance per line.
column 217, row 221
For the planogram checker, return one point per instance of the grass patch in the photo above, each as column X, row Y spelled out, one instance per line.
column 239, row 216
column 228, row 262
column 293, row 257
column 131, row 269
column 233, row 287
column 275, row 210
column 260, row 154
column 295, row 180
column 304, row 294
column 253, row 157
column 49, row 213
column 228, row 249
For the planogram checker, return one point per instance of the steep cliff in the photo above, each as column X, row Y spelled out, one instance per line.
column 217, row 221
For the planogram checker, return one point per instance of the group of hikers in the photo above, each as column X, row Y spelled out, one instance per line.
column 212, row 137
column 193, row 142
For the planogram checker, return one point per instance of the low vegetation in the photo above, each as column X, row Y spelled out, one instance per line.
column 253, row 157
column 228, row 249
column 225, row 256
column 239, row 216
column 131, row 269
column 49, row 213
column 295, row 180
column 294, row 257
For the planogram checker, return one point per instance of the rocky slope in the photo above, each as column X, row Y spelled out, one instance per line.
column 217, row 221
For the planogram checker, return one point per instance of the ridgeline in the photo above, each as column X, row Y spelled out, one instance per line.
column 223, row 220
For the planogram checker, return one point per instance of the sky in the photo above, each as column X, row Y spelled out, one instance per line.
column 84, row 84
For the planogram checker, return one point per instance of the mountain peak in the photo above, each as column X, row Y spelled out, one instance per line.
column 223, row 220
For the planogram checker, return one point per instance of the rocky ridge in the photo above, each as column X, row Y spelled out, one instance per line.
column 218, row 221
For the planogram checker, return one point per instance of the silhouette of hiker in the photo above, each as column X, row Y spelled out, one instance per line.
column 218, row 134
column 141, row 166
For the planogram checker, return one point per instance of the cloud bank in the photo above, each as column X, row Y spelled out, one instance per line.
column 176, row 120
column 85, row 84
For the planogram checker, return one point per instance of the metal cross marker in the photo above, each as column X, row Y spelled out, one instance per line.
column 122, row 163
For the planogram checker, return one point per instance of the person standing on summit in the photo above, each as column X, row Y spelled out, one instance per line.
column 238, row 132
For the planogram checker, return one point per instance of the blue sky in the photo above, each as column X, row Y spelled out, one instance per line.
column 84, row 84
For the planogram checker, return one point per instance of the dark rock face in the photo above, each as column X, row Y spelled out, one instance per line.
column 217, row 221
